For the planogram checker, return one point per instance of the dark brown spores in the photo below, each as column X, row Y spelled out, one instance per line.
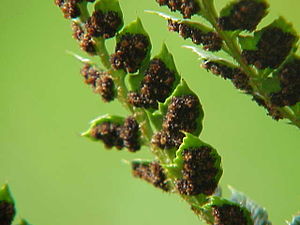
column 182, row 115
column 126, row 135
column 229, row 215
column 101, row 82
column 289, row 77
column 103, row 24
column 156, row 86
column 272, row 48
column 130, row 52
column 198, row 173
column 244, row 15
column 239, row 79
column 152, row 173
column 210, row 40
column 7, row 213
column 130, row 134
column 186, row 7
column 69, row 8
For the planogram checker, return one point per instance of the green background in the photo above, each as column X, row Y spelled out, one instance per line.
column 59, row 178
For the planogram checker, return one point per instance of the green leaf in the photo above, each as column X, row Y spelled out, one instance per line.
column 106, row 6
column 226, row 11
column 23, row 222
column 197, row 25
column 259, row 215
column 163, row 15
column 183, row 89
column 166, row 57
column 136, row 27
column 109, row 5
column 5, row 194
column 270, row 85
column 207, row 56
column 295, row 221
column 102, row 119
column 250, row 42
column 218, row 201
column 189, row 142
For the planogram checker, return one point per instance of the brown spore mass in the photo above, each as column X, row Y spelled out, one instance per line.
column 130, row 52
column 187, row 8
column 210, row 40
column 103, row 24
column 229, row 215
column 273, row 47
column 182, row 115
column 7, row 213
column 198, row 173
column 152, row 172
column 245, row 15
column 156, row 86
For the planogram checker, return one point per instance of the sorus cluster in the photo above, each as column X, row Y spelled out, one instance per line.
column 100, row 24
column 101, row 82
column 115, row 135
column 130, row 52
column 186, row 7
column 182, row 115
column 273, row 47
column 244, row 15
column 272, row 111
column 199, row 173
column 228, row 214
column 239, row 79
column 103, row 25
column 7, row 213
column 70, row 8
column 289, row 77
column 151, row 172
column 210, row 40
column 156, row 86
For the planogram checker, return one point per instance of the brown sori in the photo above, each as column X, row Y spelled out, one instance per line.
column 244, row 15
column 78, row 32
column 198, row 173
column 217, row 68
column 239, row 79
column 289, row 77
column 150, row 172
column 105, row 87
column 271, row 108
column 229, row 215
column 119, row 135
column 109, row 133
column 101, row 82
column 103, row 24
column 272, row 49
column 69, row 8
column 130, row 52
column 186, row 7
column 210, row 40
column 87, row 44
column 156, row 86
column 130, row 134
column 7, row 213
column 181, row 115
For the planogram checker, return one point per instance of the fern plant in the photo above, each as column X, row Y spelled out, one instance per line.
column 165, row 115
column 263, row 62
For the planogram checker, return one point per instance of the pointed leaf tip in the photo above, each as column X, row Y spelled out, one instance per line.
column 5, row 194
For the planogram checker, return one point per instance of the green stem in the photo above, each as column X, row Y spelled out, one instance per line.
column 102, row 52
column 235, row 51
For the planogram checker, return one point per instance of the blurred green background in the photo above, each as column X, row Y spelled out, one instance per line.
column 59, row 178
